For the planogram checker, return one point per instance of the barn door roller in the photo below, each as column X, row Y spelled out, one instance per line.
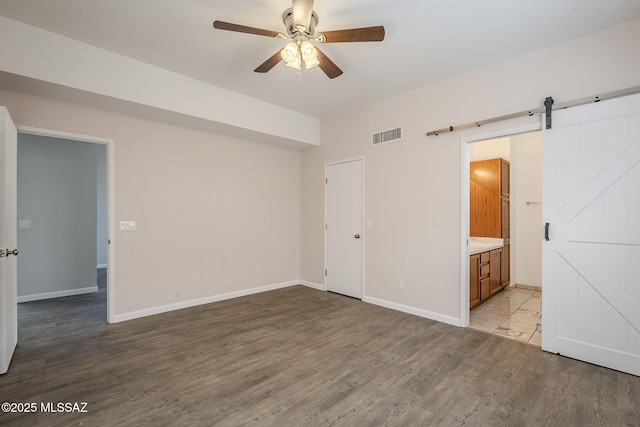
column 548, row 102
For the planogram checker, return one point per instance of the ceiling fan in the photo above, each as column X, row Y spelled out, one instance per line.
column 300, row 22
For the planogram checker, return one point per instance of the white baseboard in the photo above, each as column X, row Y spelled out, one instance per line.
column 57, row 294
column 101, row 266
column 413, row 310
column 313, row 285
column 215, row 298
column 200, row 301
column 527, row 287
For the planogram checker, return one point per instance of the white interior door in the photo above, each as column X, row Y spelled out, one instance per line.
column 8, row 240
column 343, row 228
column 591, row 200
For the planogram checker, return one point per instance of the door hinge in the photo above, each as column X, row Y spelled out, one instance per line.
column 325, row 271
column 326, row 226
column 326, row 180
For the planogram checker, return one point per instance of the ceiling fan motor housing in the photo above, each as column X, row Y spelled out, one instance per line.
column 287, row 19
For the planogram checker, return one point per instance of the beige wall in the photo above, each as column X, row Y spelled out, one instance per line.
column 526, row 220
column 413, row 187
column 490, row 149
column 225, row 209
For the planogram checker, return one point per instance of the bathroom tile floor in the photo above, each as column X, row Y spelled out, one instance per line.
column 512, row 313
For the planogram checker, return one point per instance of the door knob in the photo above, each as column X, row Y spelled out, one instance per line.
column 357, row 236
column 7, row 252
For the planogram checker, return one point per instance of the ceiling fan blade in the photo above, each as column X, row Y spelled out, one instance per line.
column 221, row 25
column 330, row 69
column 269, row 63
column 366, row 34
column 302, row 12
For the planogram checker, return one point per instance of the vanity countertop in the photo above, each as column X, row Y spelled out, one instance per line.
column 484, row 244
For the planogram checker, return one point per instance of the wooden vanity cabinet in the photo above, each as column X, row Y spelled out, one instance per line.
column 505, row 221
column 485, row 276
column 505, row 265
column 490, row 206
column 474, row 281
column 495, row 271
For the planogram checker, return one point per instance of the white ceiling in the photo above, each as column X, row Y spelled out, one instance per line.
column 426, row 40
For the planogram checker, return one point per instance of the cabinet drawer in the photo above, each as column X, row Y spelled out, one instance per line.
column 484, row 270
column 484, row 257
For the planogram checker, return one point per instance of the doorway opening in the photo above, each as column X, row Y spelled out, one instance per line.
column 502, row 294
column 64, row 212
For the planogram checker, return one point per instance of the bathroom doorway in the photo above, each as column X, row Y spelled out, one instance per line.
column 514, row 311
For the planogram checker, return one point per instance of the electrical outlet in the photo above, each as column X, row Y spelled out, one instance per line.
column 127, row 226
column 399, row 283
column 194, row 279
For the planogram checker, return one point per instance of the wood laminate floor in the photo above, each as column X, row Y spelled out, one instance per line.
column 296, row 357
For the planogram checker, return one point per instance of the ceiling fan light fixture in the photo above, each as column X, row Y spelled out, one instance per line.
column 295, row 64
column 310, row 64
column 309, row 54
column 308, row 50
column 291, row 56
column 290, row 52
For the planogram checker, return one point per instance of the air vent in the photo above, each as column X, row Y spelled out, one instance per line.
column 386, row 136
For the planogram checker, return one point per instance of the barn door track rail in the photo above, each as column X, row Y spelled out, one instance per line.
column 549, row 106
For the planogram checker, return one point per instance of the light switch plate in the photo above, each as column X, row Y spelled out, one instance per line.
column 127, row 225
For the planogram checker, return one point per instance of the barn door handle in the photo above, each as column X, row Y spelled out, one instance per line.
column 546, row 231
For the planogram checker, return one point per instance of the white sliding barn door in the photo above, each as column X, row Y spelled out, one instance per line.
column 591, row 262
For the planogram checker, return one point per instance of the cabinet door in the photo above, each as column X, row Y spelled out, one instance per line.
column 504, row 177
column 495, row 284
column 474, row 281
column 505, row 264
column 474, row 204
column 485, row 291
column 505, row 229
column 485, row 198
